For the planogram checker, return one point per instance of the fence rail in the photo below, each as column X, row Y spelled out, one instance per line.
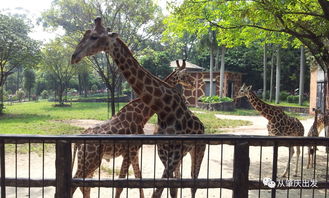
column 241, row 183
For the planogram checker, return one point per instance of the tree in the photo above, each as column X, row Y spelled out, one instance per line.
column 56, row 60
column 278, row 76
column 29, row 81
column 16, row 49
column 301, row 75
column 156, row 62
column 248, row 21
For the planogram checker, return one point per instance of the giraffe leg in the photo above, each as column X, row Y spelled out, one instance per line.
column 177, row 174
column 170, row 161
column 137, row 172
column 291, row 153
column 87, row 164
column 197, row 154
column 297, row 160
column 123, row 172
column 310, row 156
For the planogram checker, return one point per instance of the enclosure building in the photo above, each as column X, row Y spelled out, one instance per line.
column 316, row 88
column 232, row 83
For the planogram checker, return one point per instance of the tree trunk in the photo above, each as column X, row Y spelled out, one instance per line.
column 217, row 59
column 1, row 99
column 222, row 70
column 113, row 102
column 272, row 77
column 301, row 75
column 212, row 55
column 277, row 79
column 80, row 84
column 264, row 73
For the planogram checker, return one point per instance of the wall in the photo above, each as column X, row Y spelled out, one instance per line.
column 192, row 95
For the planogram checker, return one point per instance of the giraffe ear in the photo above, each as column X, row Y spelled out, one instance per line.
column 249, row 88
column 113, row 34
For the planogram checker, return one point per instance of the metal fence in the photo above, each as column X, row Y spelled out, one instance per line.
column 233, row 166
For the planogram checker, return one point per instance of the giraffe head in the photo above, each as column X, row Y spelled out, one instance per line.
column 181, row 76
column 244, row 91
column 94, row 41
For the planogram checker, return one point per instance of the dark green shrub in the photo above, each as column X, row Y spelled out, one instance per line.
column 284, row 95
column 215, row 99
column 44, row 94
column 292, row 99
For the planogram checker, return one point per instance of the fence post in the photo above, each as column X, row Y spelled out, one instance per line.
column 2, row 169
column 241, row 170
column 63, row 169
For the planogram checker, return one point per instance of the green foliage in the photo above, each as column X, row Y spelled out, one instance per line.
column 20, row 94
column 215, row 99
column 44, row 94
column 17, row 49
column 284, row 95
column 156, row 62
column 94, row 88
column 292, row 99
column 29, row 81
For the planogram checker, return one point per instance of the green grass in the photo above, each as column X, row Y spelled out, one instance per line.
column 240, row 112
column 42, row 118
column 213, row 124
column 288, row 104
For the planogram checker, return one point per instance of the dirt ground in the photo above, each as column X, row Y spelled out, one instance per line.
column 212, row 160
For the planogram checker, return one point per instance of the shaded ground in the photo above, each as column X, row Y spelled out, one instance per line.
column 212, row 160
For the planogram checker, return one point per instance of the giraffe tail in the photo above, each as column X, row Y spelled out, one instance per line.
column 75, row 147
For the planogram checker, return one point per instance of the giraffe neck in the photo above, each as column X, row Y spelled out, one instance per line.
column 319, row 120
column 142, row 82
column 263, row 108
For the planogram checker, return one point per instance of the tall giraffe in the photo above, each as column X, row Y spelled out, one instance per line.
column 279, row 123
column 129, row 120
column 173, row 115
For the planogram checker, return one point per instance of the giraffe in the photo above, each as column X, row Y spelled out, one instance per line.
column 173, row 115
column 315, row 130
column 129, row 120
column 279, row 123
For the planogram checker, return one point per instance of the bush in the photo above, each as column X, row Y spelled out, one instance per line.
column 215, row 99
column 284, row 95
column 1, row 108
column 292, row 99
column 94, row 88
column 20, row 94
column 44, row 94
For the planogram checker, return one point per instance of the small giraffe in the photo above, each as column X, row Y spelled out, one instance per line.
column 129, row 120
column 314, row 132
column 279, row 123
column 173, row 115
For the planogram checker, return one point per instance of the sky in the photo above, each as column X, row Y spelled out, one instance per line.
column 33, row 9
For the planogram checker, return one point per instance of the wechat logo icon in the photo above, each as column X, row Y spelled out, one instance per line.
column 268, row 182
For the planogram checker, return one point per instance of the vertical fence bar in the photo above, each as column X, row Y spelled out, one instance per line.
column 63, row 169
column 3, row 170
column 241, row 170
column 275, row 168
